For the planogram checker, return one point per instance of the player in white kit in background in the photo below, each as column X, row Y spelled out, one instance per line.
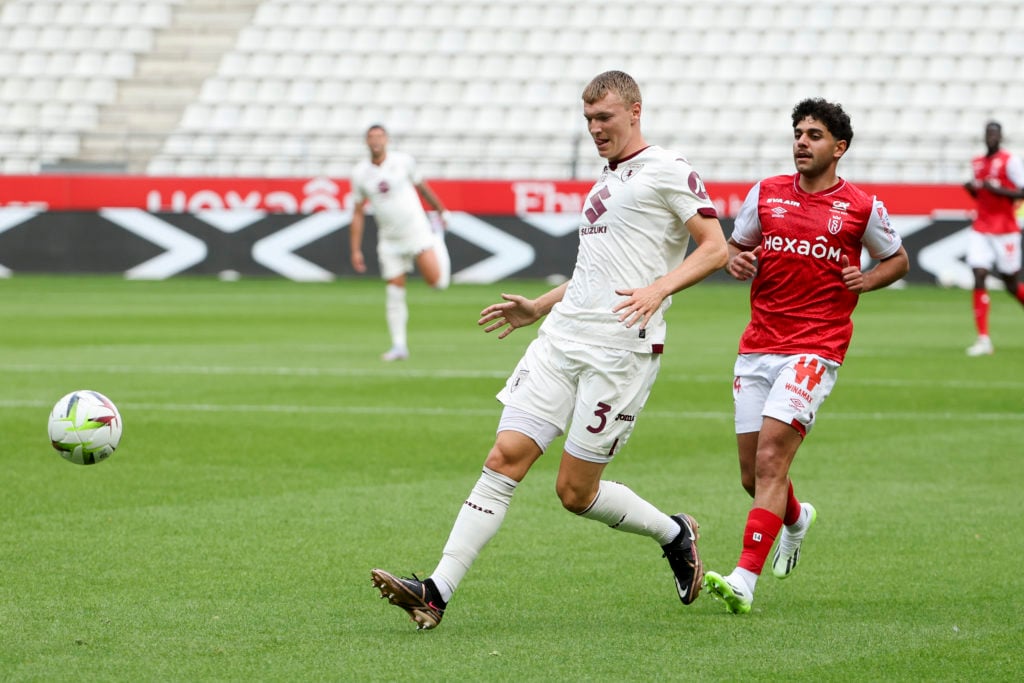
column 390, row 182
column 596, row 356
column 800, row 238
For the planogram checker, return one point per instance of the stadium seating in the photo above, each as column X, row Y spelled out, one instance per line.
column 476, row 88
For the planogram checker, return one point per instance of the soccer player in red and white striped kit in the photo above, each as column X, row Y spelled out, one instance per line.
column 994, row 242
column 798, row 238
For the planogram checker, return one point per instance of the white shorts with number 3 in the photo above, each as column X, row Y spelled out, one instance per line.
column 597, row 391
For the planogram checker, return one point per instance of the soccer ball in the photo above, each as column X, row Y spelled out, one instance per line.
column 85, row 427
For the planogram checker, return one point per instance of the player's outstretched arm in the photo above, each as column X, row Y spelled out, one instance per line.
column 355, row 229
column 518, row 311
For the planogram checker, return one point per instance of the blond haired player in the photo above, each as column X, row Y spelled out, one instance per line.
column 596, row 356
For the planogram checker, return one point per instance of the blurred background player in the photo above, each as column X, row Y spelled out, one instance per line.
column 596, row 356
column 800, row 238
column 994, row 241
column 390, row 183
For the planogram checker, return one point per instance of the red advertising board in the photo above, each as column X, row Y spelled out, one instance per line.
column 307, row 195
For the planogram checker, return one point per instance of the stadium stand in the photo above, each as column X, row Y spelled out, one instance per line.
column 483, row 89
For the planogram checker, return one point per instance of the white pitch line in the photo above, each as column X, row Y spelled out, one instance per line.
column 257, row 371
column 466, row 412
column 448, row 373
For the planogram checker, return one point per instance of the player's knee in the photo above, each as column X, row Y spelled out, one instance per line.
column 573, row 500
column 512, row 455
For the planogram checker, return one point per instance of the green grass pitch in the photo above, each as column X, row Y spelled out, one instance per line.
column 270, row 460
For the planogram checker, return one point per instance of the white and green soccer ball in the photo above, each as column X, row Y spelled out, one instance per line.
column 85, row 427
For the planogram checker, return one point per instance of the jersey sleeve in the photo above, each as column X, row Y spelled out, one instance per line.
column 1015, row 171
column 746, row 228
column 685, row 193
column 880, row 239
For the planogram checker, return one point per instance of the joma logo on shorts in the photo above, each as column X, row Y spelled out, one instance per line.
column 625, row 418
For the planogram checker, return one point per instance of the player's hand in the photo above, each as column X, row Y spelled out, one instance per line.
column 743, row 265
column 358, row 263
column 853, row 278
column 639, row 306
column 515, row 312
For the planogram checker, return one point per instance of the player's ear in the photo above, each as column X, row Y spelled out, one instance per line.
column 841, row 146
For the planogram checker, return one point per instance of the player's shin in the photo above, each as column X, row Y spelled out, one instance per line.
column 477, row 522
column 620, row 508
column 758, row 536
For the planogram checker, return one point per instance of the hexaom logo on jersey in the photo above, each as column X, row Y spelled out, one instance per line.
column 818, row 249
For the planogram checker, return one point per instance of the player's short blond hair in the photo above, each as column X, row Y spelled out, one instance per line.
column 618, row 82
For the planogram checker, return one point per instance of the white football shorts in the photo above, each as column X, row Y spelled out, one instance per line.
column 398, row 257
column 994, row 253
column 597, row 392
column 790, row 389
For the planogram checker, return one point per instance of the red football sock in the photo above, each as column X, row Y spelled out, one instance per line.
column 1020, row 292
column 981, row 306
column 762, row 528
column 792, row 507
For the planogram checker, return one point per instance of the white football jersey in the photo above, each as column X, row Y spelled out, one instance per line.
column 632, row 231
column 391, row 189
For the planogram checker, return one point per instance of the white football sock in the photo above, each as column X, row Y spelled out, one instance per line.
column 477, row 522
column 617, row 506
column 397, row 313
column 744, row 577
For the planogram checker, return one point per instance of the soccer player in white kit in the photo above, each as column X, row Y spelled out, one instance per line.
column 390, row 182
column 596, row 356
column 800, row 238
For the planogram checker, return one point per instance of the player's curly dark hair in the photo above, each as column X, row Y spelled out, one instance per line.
column 830, row 113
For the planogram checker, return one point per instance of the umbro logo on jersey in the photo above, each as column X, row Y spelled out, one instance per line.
column 778, row 211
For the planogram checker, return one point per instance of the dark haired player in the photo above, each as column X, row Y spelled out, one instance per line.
column 800, row 238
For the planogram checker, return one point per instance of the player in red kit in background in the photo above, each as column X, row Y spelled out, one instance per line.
column 800, row 238
column 994, row 241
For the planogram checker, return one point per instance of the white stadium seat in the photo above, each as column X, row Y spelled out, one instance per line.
column 444, row 75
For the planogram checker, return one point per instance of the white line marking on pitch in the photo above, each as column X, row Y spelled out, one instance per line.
column 448, row 373
column 406, row 410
